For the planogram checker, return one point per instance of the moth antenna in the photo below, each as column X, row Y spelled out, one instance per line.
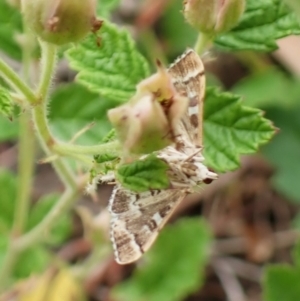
column 193, row 154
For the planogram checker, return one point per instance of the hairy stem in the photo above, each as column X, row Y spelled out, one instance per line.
column 39, row 114
column 48, row 65
column 25, row 173
column 12, row 78
column 68, row 149
column 203, row 43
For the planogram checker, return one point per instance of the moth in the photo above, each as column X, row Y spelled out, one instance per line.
column 137, row 218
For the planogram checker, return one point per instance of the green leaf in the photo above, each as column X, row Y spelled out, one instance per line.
column 105, row 7
column 10, row 27
column 296, row 254
column 63, row 225
column 143, row 175
column 173, row 268
column 283, row 152
column 268, row 88
column 73, row 107
column 176, row 33
column 9, row 129
column 231, row 129
column 112, row 69
column 3, row 246
column 33, row 260
column 281, row 283
column 263, row 23
column 6, row 107
column 8, row 187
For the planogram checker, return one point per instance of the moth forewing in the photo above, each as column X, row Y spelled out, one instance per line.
column 188, row 76
column 137, row 219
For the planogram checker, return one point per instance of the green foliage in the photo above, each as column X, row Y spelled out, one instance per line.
column 9, row 129
column 62, row 228
column 73, row 107
column 281, row 282
column 105, row 158
column 10, row 27
column 105, row 7
column 231, row 129
column 8, row 186
column 178, row 34
column 33, row 260
column 143, row 175
column 36, row 258
column 8, row 114
column 268, row 88
column 113, row 68
column 173, row 268
column 6, row 107
column 262, row 24
column 109, row 68
column 283, row 151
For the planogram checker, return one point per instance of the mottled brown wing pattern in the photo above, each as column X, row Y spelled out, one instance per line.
column 188, row 77
column 136, row 219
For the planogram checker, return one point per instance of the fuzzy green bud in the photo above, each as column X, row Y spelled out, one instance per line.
column 213, row 16
column 142, row 126
column 61, row 21
column 148, row 122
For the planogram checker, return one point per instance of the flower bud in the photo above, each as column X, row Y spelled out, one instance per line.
column 61, row 21
column 141, row 126
column 161, row 86
column 213, row 16
column 149, row 121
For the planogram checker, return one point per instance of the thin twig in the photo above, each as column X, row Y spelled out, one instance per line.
column 229, row 281
column 237, row 245
column 244, row 269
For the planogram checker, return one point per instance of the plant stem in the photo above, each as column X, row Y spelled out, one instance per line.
column 98, row 256
column 26, row 154
column 67, row 149
column 48, row 64
column 203, row 43
column 12, row 78
column 8, row 265
column 38, row 233
column 25, row 173
column 39, row 116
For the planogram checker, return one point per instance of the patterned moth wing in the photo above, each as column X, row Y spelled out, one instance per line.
column 136, row 219
column 188, row 77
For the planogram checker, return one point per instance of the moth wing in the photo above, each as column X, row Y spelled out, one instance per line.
column 188, row 76
column 137, row 219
